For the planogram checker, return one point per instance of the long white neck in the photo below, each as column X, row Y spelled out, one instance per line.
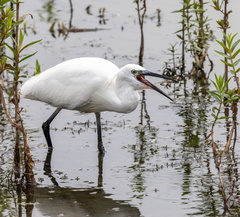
column 128, row 96
column 118, row 95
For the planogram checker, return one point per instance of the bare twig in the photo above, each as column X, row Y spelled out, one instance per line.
column 141, row 21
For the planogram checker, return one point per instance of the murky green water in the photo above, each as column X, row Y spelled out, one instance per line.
column 157, row 161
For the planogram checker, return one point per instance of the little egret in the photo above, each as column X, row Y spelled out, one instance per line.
column 89, row 85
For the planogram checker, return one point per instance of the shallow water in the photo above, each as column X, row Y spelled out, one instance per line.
column 157, row 163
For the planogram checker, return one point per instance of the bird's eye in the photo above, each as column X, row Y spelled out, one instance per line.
column 134, row 72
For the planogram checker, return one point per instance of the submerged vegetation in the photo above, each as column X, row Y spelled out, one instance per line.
column 207, row 103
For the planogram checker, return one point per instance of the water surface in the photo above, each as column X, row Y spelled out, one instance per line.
column 157, row 162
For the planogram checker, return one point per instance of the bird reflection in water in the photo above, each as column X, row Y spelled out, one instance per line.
column 56, row 201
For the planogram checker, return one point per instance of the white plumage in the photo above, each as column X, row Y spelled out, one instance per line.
column 88, row 85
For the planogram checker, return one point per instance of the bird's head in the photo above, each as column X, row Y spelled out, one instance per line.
column 137, row 78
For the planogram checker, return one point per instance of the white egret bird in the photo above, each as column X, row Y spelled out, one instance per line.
column 89, row 85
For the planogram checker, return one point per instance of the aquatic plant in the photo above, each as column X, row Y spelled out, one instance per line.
column 195, row 33
column 11, row 60
column 226, row 107
column 174, row 66
column 141, row 10
column 223, row 24
column 226, row 98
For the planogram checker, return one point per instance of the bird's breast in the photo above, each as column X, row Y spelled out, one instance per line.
column 124, row 103
column 109, row 101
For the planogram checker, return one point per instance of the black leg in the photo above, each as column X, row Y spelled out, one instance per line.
column 47, row 167
column 100, row 169
column 99, row 133
column 46, row 126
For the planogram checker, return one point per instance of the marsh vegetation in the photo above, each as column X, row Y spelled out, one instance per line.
column 176, row 158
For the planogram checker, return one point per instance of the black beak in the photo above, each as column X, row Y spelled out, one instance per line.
column 140, row 77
